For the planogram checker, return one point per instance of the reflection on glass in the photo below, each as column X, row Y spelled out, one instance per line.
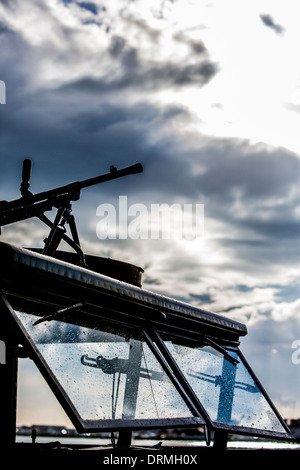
column 106, row 374
column 227, row 391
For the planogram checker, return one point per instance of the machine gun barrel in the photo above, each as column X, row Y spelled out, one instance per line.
column 72, row 187
column 34, row 205
column 12, row 211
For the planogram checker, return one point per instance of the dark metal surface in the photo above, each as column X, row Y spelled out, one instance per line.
column 116, row 269
column 31, row 276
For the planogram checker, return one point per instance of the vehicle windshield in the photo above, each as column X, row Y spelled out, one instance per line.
column 108, row 374
column 227, row 390
column 112, row 374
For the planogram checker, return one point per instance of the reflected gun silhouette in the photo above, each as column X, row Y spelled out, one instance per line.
column 218, row 380
column 116, row 365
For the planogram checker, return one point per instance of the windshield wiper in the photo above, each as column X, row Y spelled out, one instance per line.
column 221, row 350
column 56, row 315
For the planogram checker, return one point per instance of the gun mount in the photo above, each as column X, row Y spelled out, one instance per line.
column 35, row 205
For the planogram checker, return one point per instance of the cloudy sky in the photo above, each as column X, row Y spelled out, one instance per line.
column 206, row 95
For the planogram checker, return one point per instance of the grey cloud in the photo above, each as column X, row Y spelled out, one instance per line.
column 132, row 70
column 260, row 232
column 202, row 298
column 279, row 227
column 263, row 339
column 8, row 3
column 110, row 116
column 81, row 142
column 3, row 28
column 220, row 170
column 258, row 178
column 256, row 170
column 141, row 25
column 117, row 45
column 196, row 46
column 78, row 138
column 71, row 141
column 258, row 256
column 136, row 72
column 288, row 293
column 270, row 23
column 146, row 76
column 243, row 288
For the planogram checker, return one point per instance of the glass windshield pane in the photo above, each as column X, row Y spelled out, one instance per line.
column 227, row 391
column 106, row 374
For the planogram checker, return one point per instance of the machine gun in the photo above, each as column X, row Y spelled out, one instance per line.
column 35, row 205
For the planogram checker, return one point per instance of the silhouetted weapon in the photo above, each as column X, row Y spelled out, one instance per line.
column 35, row 205
column 114, row 365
